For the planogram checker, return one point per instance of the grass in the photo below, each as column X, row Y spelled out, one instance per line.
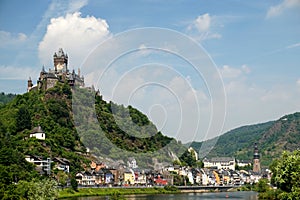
column 115, row 192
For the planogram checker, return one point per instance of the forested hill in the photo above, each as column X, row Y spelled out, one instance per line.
column 272, row 138
column 116, row 135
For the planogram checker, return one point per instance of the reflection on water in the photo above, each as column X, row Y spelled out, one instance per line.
column 185, row 196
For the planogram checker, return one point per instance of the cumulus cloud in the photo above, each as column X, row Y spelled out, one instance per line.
column 202, row 25
column 282, row 7
column 8, row 39
column 77, row 35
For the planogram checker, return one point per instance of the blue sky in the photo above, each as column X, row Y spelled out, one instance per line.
column 255, row 46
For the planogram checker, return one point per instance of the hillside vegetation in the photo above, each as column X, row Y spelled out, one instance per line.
column 112, row 133
column 272, row 137
column 116, row 133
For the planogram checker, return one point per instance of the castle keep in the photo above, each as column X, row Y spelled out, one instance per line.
column 59, row 73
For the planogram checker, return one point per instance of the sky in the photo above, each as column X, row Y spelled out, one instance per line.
column 196, row 68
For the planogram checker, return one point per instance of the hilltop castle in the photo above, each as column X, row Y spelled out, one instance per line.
column 60, row 73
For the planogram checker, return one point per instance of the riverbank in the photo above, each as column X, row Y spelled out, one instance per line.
column 84, row 192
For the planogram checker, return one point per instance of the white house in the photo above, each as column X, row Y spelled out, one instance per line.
column 62, row 164
column 205, row 178
column 220, row 163
column 244, row 163
column 132, row 163
column 190, row 177
column 85, row 179
column 38, row 133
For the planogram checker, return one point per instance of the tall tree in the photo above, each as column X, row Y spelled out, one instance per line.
column 23, row 120
column 286, row 175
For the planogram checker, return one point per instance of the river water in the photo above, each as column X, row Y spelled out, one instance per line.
column 183, row 196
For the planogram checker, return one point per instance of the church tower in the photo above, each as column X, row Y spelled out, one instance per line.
column 60, row 61
column 256, row 162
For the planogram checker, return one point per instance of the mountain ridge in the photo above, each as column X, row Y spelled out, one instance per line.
column 272, row 137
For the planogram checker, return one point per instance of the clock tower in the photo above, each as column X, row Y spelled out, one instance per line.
column 60, row 61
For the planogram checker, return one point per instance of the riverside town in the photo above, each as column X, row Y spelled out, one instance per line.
column 52, row 146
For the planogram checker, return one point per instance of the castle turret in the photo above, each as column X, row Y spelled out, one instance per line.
column 29, row 84
column 256, row 161
column 60, row 60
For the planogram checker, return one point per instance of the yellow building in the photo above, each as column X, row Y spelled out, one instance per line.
column 129, row 177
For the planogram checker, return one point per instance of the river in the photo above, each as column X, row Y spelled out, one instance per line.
column 183, row 196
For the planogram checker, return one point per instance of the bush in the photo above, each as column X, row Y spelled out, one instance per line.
column 171, row 188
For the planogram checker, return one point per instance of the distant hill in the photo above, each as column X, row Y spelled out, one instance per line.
column 5, row 98
column 272, row 137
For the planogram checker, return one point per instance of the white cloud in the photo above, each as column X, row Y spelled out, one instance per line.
column 246, row 69
column 298, row 82
column 8, row 39
column 275, row 95
column 77, row 35
column 248, row 103
column 202, row 22
column 17, row 73
column 282, row 7
column 228, row 72
column 76, row 5
column 293, row 45
column 201, row 28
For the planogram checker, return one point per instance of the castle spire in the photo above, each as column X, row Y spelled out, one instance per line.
column 29, row 84
column 256, row 161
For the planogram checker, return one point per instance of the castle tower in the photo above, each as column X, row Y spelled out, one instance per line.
column 60, row 60
column 256, row 162
column 29, row 84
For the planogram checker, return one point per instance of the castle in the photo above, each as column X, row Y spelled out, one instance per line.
column 60, row 73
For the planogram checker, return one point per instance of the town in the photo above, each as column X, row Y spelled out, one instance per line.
column 216, row 171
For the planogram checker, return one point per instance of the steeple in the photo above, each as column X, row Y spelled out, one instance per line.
column 256, row 161
column 43, row 69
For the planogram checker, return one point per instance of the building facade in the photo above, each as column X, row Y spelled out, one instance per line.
column 38, row 133
column 220, row 163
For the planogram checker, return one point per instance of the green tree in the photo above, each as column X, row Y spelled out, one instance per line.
column 62, row 178
column 286, row 171
column 262, row 185
column 74, row 184
column 286, row 175
column 37, row 190
column 23, row 120
column 188, row 159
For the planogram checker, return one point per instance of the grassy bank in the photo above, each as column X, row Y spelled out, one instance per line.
column 66, row 193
